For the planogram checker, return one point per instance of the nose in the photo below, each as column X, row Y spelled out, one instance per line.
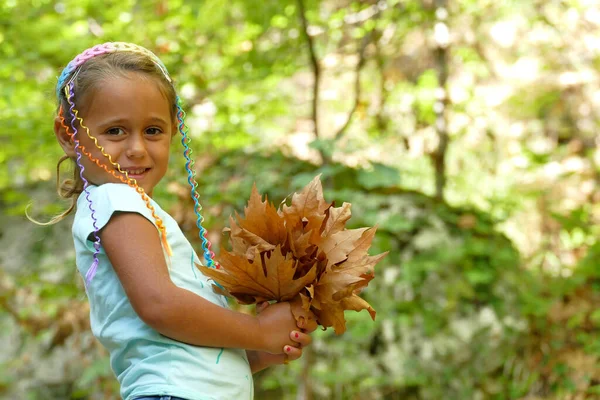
column 136, row 146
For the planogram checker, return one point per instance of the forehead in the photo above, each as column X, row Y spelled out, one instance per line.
column 129, row 96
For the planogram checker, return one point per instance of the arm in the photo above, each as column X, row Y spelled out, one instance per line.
column 178, row 313
column 260, row 360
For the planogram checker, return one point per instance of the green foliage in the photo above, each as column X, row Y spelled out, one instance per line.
column 491, row 293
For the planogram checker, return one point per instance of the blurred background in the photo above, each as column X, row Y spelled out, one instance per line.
column 465, row 129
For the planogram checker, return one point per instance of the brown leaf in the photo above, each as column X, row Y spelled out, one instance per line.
column 250, row 240
column 361, row 246
column 340, row 244
column 238, row 245
column 331, row 283
column 311, row 291
column 333, row 316
column 365, row 267
column 301, row 253
column 262, row 220
column 299, row 243
column 336, row 219
column 304, row 266
column 358, row 304
column 270, row 277
column 307, row 211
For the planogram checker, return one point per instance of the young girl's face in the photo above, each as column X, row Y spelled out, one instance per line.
column 131, row 119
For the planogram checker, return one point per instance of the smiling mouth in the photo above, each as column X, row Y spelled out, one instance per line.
column 136, row 173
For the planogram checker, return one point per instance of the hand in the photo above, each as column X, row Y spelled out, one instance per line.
column 300, row 337
column 276, row 323
column 301, row 340
column 302, row 325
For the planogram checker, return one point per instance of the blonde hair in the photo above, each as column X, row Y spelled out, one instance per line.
column 87, row 78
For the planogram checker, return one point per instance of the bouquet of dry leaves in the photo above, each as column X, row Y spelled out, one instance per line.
column 300, row 253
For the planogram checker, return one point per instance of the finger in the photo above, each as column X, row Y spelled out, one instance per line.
column 260, row 307
column 310, row 328
column 307, row 324
column 302, row 339
column 291, row 353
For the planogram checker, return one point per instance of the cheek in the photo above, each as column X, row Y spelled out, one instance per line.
column 165, row 150
column 85, row 146
column 86, row 141
column 100, row 154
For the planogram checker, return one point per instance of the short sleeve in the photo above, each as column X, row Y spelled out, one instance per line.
column 105, row 200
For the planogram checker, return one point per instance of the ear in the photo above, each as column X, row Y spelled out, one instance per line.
column 64, row 139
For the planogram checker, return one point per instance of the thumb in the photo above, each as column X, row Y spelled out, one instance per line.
column 260, row 307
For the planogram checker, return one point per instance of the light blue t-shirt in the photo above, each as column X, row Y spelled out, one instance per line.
column 144, row 361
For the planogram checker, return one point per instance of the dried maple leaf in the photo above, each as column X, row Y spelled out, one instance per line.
column 336, row 219
column 338, row 245
column 300, row 253
column 268, row 277
column 262, row 219
column 333, row 314
column 246, row 242
column 307, row 211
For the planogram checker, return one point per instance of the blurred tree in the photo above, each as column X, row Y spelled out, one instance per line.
column 455, row 125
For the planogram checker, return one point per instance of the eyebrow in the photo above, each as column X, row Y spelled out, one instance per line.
column 113, row 121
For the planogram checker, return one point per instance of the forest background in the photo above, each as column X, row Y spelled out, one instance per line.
column 465, row 129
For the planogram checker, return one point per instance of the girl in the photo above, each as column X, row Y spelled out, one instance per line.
column 167, row 332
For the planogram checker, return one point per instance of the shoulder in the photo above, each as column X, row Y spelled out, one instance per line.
column 115, row 196
column 98, row 204
column 112, row 190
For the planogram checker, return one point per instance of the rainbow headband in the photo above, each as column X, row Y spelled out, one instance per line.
column 66, row 84
column 107, row 48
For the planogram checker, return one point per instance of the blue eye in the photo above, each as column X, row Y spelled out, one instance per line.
column 115, row 131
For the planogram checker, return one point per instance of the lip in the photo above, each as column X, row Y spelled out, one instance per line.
column 136, row 176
